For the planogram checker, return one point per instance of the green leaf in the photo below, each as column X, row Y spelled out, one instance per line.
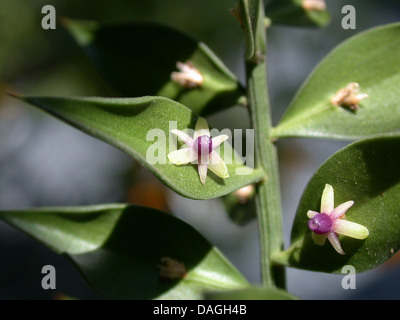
column 137, row 59
column 368, row 173
column 293, row 13
column 118, row 250
column 249, row 10
column 253, row 293
column 141, row 128
column 371, row 59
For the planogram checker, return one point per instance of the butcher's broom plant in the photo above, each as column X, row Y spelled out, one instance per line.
column 167, row 85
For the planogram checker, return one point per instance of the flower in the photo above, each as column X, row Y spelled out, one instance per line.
column 188, row 76
column 244, row 194
column 314, row 5
column 172, row 269
column 201, row 148
column 331, row 221
column 349, row 96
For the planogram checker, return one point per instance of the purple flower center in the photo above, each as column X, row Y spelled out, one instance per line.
column 203, row 145
column 320, row 223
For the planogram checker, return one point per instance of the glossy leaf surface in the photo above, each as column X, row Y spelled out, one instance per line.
column 119, row 249
column 368, row 173
column 297, row 13
column 252, row 293
column 371, row 59
column 137, row 59
column 141, row 127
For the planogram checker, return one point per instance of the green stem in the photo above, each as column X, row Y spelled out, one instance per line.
column 268, row 200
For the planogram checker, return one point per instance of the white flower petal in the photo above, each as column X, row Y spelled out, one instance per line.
column 216, row 141
column 202, row 172
column 341, row 210
column 201, row 128
column 327, row 200
column 183, row 136
column 182, row 156
column 318, row 239
column 334, row 240
column 217, row 165
column 350, row 229
column 311, row 213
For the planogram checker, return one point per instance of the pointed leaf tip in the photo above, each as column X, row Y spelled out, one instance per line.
column 123, row 123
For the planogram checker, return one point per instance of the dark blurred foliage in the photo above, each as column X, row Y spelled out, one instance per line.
column 44, row 162
column 26, row 47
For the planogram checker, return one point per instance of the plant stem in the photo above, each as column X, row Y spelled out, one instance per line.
column 268, row 200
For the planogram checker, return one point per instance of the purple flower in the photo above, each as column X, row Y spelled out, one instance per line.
column 330, row 222
column 201, row 148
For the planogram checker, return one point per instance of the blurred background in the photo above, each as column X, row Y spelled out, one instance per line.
column 44, row 162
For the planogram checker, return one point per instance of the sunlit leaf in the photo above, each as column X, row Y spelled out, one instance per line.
column 252, row 293
column 368, row 173
column 119, row 249
column 371, row 59
column 141, row 127
column 137, row 59
column 298, row 13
